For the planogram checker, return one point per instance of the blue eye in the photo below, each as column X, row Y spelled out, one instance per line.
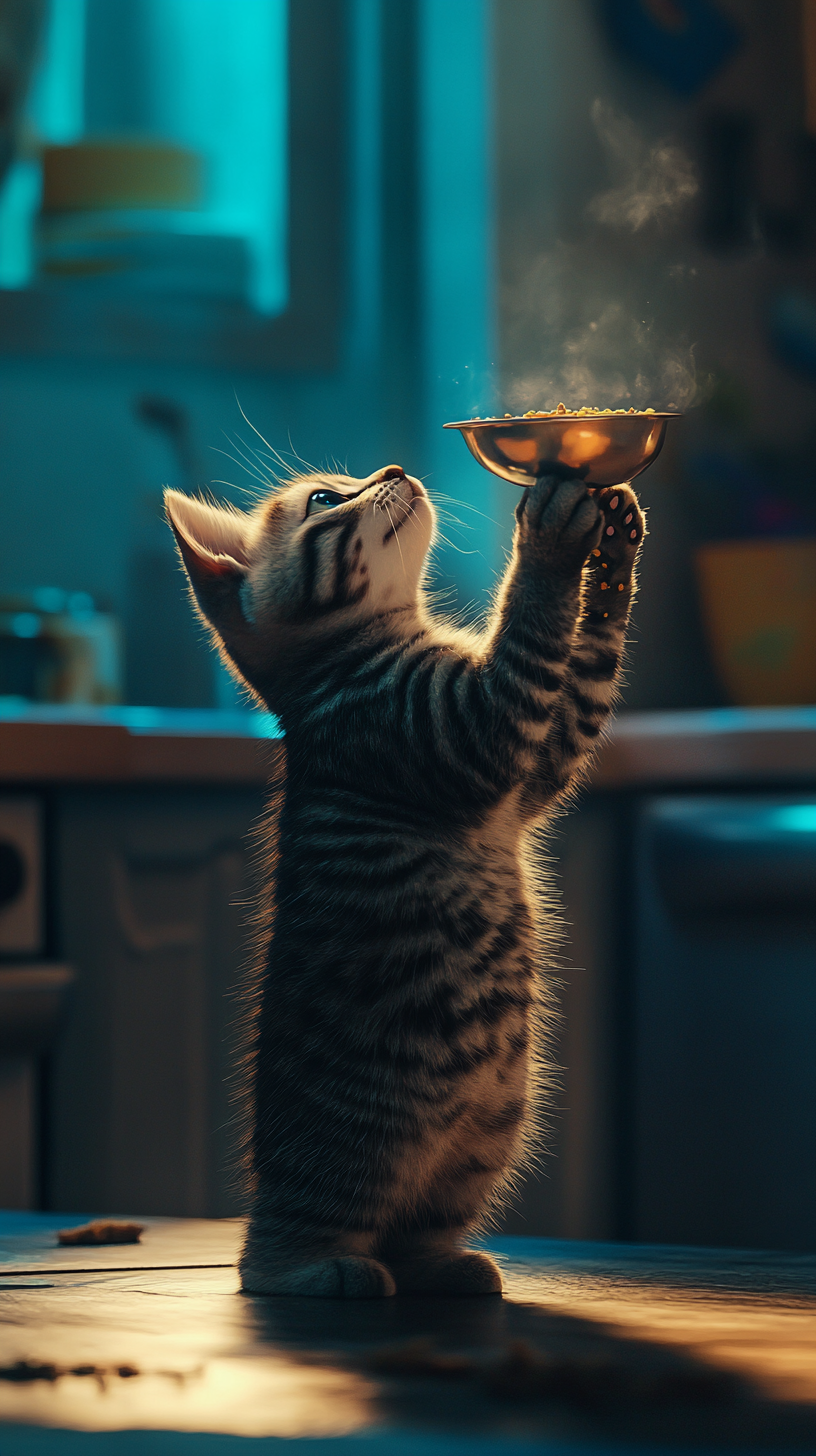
column 323, row 500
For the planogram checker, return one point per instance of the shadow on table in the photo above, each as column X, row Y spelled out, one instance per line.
column 490, row 1364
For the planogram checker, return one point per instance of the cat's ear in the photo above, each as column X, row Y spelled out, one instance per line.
column 214, row 546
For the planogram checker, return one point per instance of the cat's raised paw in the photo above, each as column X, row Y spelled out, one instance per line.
column 612, row 561
column 623, row 523
column 347, row 1277
column 466, row 1273
column 559, row 521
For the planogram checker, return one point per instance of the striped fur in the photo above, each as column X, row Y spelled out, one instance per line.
column 398, row 1042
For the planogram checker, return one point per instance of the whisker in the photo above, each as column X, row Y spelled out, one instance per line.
column 310, row 470
column 253, row 457
column 275, row 454
column 262, row 484
column 451, row 520
column 253, row 493
column 250, row 470
column 270, row 460
column 251, row 426
column 279, row 461
column 452, row 500
column 396, row 538
column 460, row 549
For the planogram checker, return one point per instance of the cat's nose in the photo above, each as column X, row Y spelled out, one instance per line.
column 391, row 472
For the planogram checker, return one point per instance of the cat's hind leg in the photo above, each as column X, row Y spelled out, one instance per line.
column 435, row 1262
column 428, row 1255
column 337, row 1266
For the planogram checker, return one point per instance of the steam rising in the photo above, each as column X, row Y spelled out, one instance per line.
column 582, row 318
column 613, row 361
column 653, row 181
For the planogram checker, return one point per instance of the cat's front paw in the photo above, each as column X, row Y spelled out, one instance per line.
column 558, row 521
column 609, row 575
column 346, row 1277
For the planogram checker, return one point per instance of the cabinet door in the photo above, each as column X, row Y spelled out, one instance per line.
column 152, row 890
column 724, row 1074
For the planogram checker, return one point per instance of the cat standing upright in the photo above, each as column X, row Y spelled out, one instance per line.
column 396, row 1050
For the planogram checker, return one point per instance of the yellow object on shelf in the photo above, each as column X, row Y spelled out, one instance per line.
column 108, row 175
column 759, row 610
column 52, row 655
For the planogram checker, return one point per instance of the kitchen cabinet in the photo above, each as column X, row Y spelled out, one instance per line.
column 685, row 1109
column 150, row 890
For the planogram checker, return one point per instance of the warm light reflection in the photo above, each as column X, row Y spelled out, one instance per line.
column 768, row 1338
column 522, row 452
column 580, row 444
column 179, row 1329
column 262, row 1396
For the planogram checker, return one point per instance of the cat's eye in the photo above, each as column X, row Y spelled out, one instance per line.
column 323, row 500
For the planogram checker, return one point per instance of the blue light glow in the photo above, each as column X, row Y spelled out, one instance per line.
column 56, row 106
column 217, row 83
column 795, row 818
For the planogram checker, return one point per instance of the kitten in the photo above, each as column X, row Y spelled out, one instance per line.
column 396, row 1071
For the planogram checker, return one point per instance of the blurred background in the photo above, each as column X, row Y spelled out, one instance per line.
column 356, row 221
column 235, row 233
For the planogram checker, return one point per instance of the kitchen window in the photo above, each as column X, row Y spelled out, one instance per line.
column 150, row 210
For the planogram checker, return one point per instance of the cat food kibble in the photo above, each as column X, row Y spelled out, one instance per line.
column 561, row 409
column 586, row 409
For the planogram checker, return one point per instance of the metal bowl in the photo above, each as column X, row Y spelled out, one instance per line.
column 604, row 449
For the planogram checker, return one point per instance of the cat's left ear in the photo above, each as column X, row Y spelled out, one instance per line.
column 214, row 546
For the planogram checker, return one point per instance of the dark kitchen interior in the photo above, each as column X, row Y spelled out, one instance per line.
column 243, row 236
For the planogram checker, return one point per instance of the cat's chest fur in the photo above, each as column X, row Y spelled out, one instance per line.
column 411, row 947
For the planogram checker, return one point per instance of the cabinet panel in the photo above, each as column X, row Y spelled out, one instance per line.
column 572, row 1192
column 150, row 887
column 724, row 1092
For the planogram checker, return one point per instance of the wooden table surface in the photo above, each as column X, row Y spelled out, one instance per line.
column 636, row 1337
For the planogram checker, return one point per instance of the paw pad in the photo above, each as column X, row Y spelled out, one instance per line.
column 627, row 519
column 633, row 535
column 614, row 503
column 604, row 586
column 610, row 530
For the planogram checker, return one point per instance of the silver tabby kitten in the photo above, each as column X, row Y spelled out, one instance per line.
column 394, row 1057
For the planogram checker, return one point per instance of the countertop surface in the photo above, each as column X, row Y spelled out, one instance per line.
column 723, row 746
column 594, row 1348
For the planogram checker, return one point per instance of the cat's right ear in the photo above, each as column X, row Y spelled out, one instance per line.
column 214, row 546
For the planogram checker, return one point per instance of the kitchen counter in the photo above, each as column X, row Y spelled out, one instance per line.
column 662, row 1347
column 62, row 745
column 41, row 745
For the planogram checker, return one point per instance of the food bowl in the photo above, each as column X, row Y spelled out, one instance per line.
column 604, row 449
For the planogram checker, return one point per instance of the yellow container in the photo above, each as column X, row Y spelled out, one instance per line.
column 101, row 175
column 759, row 609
